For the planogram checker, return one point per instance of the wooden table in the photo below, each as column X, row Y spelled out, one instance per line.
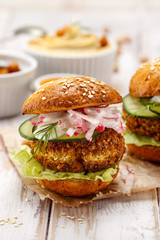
column 29, row 218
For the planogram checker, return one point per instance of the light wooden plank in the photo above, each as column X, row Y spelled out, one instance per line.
column 158, row 199
column 132, row 217
column 16, row 200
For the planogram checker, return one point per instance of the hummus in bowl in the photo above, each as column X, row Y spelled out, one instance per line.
column 71, row 40
column 71, row 49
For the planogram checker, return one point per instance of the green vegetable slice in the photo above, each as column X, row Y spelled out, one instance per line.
column 153, row 106
column 155, row 109
column 145, row 101
column 140, row 140
column 135, row 108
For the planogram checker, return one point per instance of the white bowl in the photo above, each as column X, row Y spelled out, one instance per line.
column 98, row 65
column 36, row 83
column 14, row 86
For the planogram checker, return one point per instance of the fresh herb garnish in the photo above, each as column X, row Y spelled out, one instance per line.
column 47, row 130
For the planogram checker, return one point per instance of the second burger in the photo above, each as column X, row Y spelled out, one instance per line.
column 142, row 112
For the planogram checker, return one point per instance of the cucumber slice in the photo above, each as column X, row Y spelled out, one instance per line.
column 26, row 130
column 145, row 101
column 153, row 106
column 134, row 107
column 155, row 109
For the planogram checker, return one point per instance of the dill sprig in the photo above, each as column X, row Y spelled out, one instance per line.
column 46, row 131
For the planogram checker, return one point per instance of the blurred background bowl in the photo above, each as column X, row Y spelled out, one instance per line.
column 48, row 77
column 14, row 86
column 98, row 65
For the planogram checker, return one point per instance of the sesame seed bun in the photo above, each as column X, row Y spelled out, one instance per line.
column 146, row 81
column 75, row 187
column 70, row 93
column 149, row 153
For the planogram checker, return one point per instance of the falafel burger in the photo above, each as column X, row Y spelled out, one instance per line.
column 74, row 141
column 142, row 112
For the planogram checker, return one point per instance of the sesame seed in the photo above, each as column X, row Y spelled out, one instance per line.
column 16, row 217
column 90, row 96
column 13, row 222
column 72, row 218
column 80, row 219
column 152, row 68
column 84, row 94
column 83, row 85
column 66, row 92
column 72, row 84
column 41, row 90
column 70, row 102
column 63, row 214
column 78, row 78
column 64, row 87
column 68, row 216
column 149, row 77
column 102, row 83
column 103, row 91
column 20, row 223
column 43, row 98
column 92, row 79
column 48, row 83
column 85, row 89
column 27, row 200
column 93, row 92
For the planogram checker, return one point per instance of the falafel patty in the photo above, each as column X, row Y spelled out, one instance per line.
column 102, row 152
column 143, row 126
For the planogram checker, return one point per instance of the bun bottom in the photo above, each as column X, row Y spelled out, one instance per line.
column 75, row 187
column 149, row 153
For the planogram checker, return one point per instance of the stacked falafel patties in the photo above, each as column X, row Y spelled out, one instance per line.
column 85, row 145
column 141, row 111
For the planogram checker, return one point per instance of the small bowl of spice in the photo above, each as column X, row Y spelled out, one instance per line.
column 47, row 78
column 16, row 72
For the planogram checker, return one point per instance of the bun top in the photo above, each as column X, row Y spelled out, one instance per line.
column 146, row 81
column 70, row 93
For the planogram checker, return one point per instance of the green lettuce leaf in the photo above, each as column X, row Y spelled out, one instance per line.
column 34, row 169
column 140, row 140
